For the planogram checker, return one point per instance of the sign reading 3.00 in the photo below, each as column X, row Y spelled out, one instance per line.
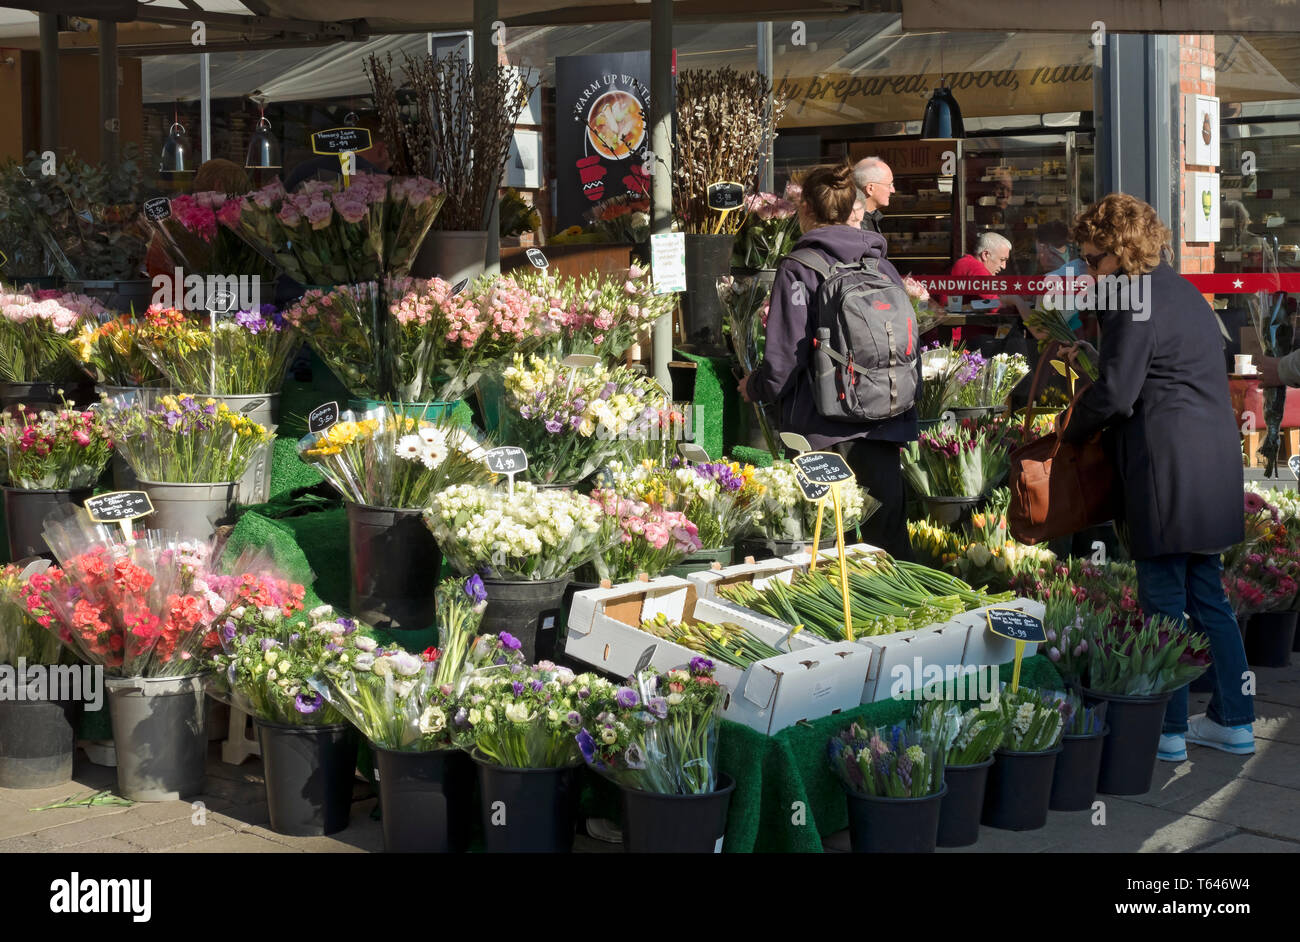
column 118, row 505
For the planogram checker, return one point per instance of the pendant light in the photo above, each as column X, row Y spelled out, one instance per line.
column 263, row 148
column 942, row 121
column 177, row 152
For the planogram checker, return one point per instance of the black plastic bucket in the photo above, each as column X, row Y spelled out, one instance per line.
column 426, row 799
column 1019, row 789
column 38, row 396
column 655, row 823
column 37, row 742
column 894, row 825
column 527, row 811
column 1074, row 784
column 26, row 510
column 309, row 774
column 708, row 258
column 760, row 548
column 1128, row 758
column 528, row 610
column 960, row 810
column 395, row 562
column 1269, row 639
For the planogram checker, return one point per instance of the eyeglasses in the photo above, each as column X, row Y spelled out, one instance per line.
column 1094, row 261
column 889, row 183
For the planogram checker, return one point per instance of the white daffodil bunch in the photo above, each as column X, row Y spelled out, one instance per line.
column 783, row 513
column 527, row 535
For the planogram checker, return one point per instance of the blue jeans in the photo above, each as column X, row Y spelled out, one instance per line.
column 1191, row 584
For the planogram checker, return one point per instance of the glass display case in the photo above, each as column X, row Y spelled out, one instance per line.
column 1027, row 188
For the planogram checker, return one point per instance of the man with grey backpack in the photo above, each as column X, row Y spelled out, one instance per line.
column 842, row 356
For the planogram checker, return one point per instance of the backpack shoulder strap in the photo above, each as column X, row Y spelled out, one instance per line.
column 811, row 258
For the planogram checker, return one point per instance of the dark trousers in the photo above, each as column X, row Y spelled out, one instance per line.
column 1189, row 584
column 878, row 468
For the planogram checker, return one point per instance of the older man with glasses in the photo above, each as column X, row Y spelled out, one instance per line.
column 876, row 181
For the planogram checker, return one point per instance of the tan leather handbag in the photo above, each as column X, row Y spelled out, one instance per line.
column 1058, row 488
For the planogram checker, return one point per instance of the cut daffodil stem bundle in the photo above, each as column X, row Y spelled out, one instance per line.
column 1058, row 329
column 886, row 595
column 726, row 642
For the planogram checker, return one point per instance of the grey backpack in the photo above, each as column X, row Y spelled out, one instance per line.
column 865, row 344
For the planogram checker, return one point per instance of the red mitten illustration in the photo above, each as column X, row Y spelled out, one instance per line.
column 593, row 175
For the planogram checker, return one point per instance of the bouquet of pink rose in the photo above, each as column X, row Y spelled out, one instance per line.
column 36, row 333
column 649, row 540
column 326, row 234
column 199, row 236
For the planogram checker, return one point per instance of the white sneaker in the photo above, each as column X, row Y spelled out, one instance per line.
column 1238, row 740
column 1173, row 747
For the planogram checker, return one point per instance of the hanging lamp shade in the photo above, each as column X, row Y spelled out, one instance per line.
column 263, row 148
column 942, row 121
column 177, row 152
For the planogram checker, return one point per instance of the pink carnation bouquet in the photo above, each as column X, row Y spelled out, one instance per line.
column 328, row 234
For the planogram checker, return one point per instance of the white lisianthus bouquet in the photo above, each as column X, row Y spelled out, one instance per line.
column 573, row 420
column 529, row 718
column 527, row 535
column 386, row 459
column 782, row 513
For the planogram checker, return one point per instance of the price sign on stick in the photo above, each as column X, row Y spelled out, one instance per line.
column 725, row 197
column 795, row 441
column 1294, row 464
column 345, row 143
column 1020, row 627
column 459, row 286
column 578, row 361
column 538, row 258
column 120, row 507
column 322, row 417
column 508, row 460
column 827, row 469
column 693, row 452
column 158, row 208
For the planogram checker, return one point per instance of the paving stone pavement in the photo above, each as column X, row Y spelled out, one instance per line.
column 1211, row 803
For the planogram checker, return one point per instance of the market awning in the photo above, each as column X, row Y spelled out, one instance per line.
column 1117, row 16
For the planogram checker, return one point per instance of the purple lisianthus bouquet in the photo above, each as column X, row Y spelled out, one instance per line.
column 242, row 354
column 658, row 732
column 902, row 761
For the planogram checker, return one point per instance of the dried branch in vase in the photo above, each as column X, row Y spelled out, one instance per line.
column 463, row 123
column 397, row 133
column 723, row 117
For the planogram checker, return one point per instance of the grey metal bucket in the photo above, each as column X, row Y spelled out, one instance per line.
column 451, row 255
column 192, row 510
column 264, row 409
column 161, row 734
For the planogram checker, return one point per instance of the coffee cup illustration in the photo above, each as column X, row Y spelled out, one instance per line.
column 592, row 172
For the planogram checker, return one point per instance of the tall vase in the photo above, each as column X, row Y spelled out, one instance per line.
column 395, row 562
column 708, row 258
column 451, row 255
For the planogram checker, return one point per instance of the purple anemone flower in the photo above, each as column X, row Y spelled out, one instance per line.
column 307, row 702
column 475, row 589
column 509, row 641
column 587, row 745
column 626, row 697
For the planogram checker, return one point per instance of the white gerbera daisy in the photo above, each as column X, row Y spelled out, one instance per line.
column 433, row 454
column 409, row 447
column 431, row 434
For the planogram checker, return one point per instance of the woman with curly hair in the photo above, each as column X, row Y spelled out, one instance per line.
column 1162, row 395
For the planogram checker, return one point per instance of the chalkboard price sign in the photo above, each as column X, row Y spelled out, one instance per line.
column 1016, row 625
column 810, row 490
column 1294, row 464
column 823, row 467
column 158, row 208
column 537, row 257
column 118, row 506
column 322, row 417
column 507, row 459
column 724, row 197
column 459, row 286
column 340, row 141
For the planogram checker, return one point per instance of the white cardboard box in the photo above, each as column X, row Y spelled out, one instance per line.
column 817, row 678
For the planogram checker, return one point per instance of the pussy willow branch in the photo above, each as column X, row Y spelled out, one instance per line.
column 723, row 117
